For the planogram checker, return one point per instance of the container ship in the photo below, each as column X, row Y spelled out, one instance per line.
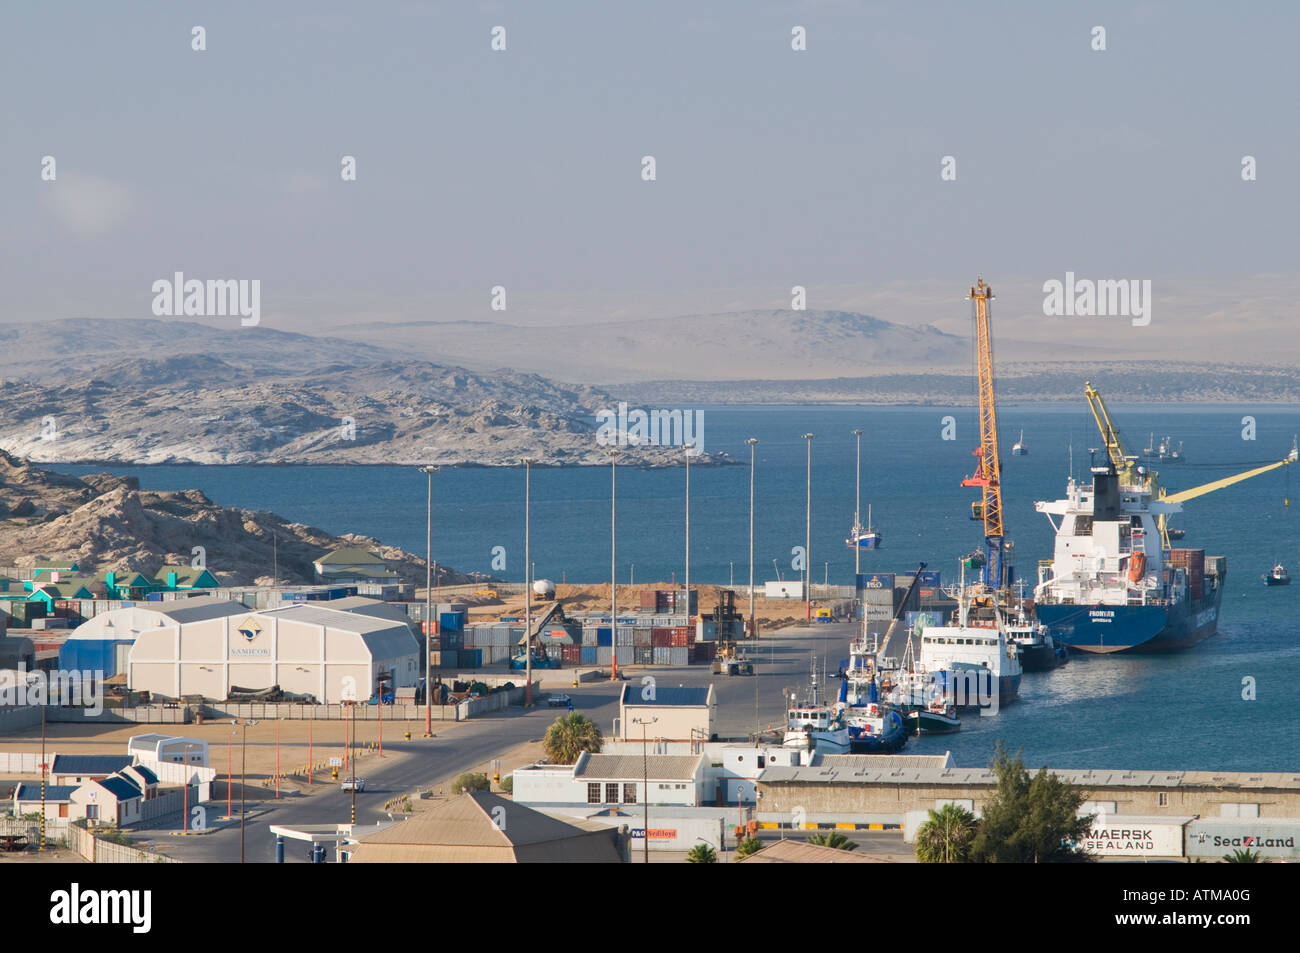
column 1111, row 586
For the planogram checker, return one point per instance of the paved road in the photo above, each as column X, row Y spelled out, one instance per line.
column 782, row 664
column 468, row 746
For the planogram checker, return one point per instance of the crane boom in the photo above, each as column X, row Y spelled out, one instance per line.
column 1119, row 458
column 1204, row 488
column 988, row 472
column 1123, row 463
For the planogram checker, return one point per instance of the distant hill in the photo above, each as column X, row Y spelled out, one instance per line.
column 277, row 399
column 740, row 345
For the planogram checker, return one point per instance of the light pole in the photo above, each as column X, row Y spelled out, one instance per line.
column 613, row 569
column 243, row 781
column 428, row 471
column 353, row 758
column 857, row 512
column 753, row 628
column 185, row 787
column 528, row 582
column 688, row 448
column 807, row 541
column 645, row 781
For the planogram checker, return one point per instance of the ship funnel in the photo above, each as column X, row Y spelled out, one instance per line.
column 1105, row 495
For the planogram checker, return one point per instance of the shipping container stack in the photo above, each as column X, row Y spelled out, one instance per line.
column 1192, row 560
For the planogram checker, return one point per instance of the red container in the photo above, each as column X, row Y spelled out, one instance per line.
column 571, row 654
column 681, row 637
column 661, row 638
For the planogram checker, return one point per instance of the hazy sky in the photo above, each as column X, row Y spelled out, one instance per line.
column 523, row 168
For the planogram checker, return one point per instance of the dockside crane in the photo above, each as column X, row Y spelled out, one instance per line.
column 996, row 571
column 1147, row 479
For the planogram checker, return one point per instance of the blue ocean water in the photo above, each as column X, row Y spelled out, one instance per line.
column 1178, row 711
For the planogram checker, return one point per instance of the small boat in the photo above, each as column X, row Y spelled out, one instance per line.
column 812, row 726
column 1164, row 451
column 1037, row 650
column 873, row 728
column 1020, row 450
column 1278, row 577
column 936, row 718
column 1176, row 533
column 864, row 538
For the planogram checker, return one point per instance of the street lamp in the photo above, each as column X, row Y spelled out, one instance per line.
column 752, row 441
column 807, row 542
column 528, row 582
column 185, row 787
column 428, row 471
column 243, row 780
column 688, row 448
column 645, row 780
column 613, row 568
column 857, row 512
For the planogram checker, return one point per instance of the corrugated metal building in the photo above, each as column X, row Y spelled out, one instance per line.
column 480, row 827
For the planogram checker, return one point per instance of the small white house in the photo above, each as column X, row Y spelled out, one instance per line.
column 154, row 749
column 608, row 779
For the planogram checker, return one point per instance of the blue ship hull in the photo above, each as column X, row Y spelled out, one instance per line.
column 893, row 738
column 1103, row 629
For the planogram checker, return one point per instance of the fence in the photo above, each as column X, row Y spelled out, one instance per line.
column 23, row 762
column 100, row 851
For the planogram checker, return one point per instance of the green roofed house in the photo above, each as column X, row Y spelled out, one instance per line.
column 352, row 564
column 172, row 578
column 66, row 587
column 64, row 566
column 125, row 583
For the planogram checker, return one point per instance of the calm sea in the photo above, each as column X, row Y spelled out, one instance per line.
column 1181, row 711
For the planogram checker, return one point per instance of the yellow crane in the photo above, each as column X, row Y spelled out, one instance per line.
column 1124, row 463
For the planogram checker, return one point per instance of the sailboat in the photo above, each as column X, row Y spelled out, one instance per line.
column 864, row 538
column 1020, row 450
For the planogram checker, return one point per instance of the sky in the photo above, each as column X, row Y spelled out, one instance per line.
column 523, row 168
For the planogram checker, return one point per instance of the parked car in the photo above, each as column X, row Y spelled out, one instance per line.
column 360, row 784
column 560, row 701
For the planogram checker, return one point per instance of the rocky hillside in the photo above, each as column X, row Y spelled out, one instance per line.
column 108, row 522
column 201, row 408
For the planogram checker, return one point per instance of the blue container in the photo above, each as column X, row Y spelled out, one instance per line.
column 588, row 656
column 154, row 597
column 451, row 621
column 471, row 658
column 604, row 636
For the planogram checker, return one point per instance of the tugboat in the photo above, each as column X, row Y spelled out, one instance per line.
column 1037, row 650
column 815, row 727
column 1019, row 449
column 864, row 538
column 1278, row 577
column 873, row 728
column 923, row 704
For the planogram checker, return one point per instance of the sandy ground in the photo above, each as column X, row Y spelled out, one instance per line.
column 771, row 614
column 224, row 741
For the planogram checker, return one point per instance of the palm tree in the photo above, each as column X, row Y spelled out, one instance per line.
column 748, row 846
column 1242, row 855
column 833, row 839
column 569, row 736
column 701, row 854
column 946, row 837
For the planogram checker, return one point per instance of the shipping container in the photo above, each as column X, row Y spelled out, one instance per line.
column 681, row 637
column 679, row 656
column 642, row 636
column 644, row 655
column 868, row 581
column 604, row 636
column 661, row 637
column 603, row 655
column 589, row 654
column 661, row 655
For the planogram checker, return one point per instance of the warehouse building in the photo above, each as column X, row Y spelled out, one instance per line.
column 103, row 643
column 207, row 647
column 480, row 827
